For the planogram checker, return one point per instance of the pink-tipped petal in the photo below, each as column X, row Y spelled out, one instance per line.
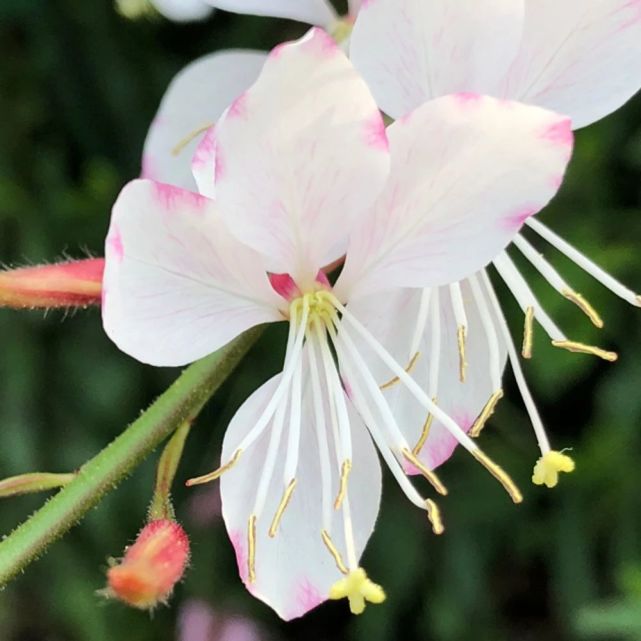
column 463, row 174
column 318, row 12
column 294, row 569
column 411, row 51
column 305, row 160
column 177, row 286
column 580, row 59
column 196, row 98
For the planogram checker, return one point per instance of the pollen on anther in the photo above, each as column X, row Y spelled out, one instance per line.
column 549, row 466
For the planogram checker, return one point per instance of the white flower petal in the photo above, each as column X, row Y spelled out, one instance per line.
column 300, row 156
column 578, row 58
column 183, row 10
column 467, row 171
column 294, row 570
column 318, row 12
column 410, row 51
column 391, row 317
column 196, row 98
column 177, row 285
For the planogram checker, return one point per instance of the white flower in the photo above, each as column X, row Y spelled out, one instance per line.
column 577, row 57
column 303, row 173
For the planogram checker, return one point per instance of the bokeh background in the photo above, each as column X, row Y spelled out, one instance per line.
column 79, row 85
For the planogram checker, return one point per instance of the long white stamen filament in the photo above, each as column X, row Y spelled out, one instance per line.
column 427, row 403
column 395, row 438
column 337, row 396
column 489, row 329
column 530, row 406
column 542, row 265
column 421, row 320
column 359, row 400
column 435, row 347
column 350, row 545
column 585, row 263
column 555, row 280
column 270, row 459
column 293, row 437
column 456, row 296
column 405, row 378
column 294, row 349
column 525, row 296
column 321, row 438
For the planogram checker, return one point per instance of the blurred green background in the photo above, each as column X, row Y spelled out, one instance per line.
column 78, row 88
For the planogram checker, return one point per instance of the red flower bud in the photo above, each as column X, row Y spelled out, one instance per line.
column 151, row 567
column 75, row 283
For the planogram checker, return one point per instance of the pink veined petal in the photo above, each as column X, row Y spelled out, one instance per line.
column 393, row 324
column 196, row 98
column 411, row 51
column 300, row 156
column 294, row 570
column 183, row 10
column 578, row 58
column 467, row 171
column 318, row 12
column 177, row 285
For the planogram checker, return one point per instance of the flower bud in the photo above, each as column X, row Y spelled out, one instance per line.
column 75, row 283
column 151, row 567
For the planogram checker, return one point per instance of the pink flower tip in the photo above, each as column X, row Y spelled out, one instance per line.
column 151, row 567
column 560, row 133
column 76, row 283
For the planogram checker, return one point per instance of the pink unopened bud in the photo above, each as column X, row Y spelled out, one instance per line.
column 75, row 283
column 151, row 567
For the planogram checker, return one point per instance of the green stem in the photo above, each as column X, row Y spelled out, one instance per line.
column 181, row 402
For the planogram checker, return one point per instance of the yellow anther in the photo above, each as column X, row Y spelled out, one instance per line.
column 358, row 589
column 486, row 413
column 499, row 474
column 333, row 550
column 427, row 426
column 549, row 466
column 282, row 506
column 584, row 306
column 461, row 338
column 408, row 368
column 434, row 516
column 426, row 472
column 580, row 348
column 346, row 468
column 528, row 333
column 251, row 549
column 212, row 476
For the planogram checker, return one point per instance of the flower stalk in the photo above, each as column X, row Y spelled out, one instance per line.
column 180, row 403
column 33, row 482
column 161, row 506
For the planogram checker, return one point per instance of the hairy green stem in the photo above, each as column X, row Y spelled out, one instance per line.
column 181, row 402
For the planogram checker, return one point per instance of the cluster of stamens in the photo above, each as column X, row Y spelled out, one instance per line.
column 320, row 321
